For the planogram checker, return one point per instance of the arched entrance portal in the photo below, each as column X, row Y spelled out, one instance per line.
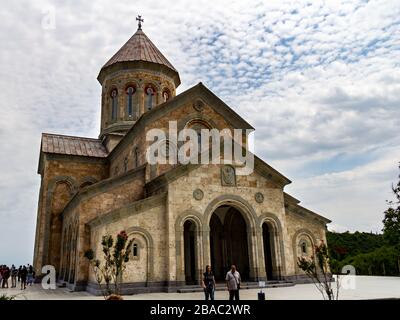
column 189, row 236
column 228, row 242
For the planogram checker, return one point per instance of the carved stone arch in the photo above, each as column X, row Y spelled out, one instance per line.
column 277, row 245
column 295, row 243
column 145, row 82
column 199, row 117
column 237, row 202
column 192, row 215
column 49, row 197
column 252, row 229
column 131, row 83
column 196, row 218
column 150, row 249
column 113, row 86
column 62, row 179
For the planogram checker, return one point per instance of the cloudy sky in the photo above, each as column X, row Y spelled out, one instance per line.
column 320, row 82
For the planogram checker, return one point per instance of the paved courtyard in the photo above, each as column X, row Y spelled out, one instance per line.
column 365, row 288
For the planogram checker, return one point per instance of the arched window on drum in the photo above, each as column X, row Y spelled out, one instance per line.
column 131, row 102
column 150, row 97
column 114, row 104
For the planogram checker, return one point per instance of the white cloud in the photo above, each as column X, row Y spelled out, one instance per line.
column 318, row 80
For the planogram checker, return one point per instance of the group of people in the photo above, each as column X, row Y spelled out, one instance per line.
column 24, row 275
column 232, row 279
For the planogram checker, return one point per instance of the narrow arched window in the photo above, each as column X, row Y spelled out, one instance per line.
column 150, row 95
column 166, row 95
column 199, row 140
column 126, row 164
column 304, row 247
column 114, row 104
column 135, row 250
column 136, row 156
column 130, row 91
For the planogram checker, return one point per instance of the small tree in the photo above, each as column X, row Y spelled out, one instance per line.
column 391, row 222
column 318, row 270
column 110, row 270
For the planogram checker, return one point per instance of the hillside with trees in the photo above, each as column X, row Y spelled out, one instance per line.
column 369, row 253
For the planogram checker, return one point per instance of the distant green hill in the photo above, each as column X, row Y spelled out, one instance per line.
column 369, row 253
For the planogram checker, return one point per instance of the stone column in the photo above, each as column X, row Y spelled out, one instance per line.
column 206, row 246
column 262, row 273
column 140, row 92
column 199, row 256
column 180, row 252
column 159, row 97
column 253, row 256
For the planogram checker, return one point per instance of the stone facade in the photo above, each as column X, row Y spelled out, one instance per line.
column 181, row 217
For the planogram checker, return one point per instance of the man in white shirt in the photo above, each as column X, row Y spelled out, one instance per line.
column 233, row 283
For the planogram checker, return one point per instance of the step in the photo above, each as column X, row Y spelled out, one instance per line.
column 246, row 285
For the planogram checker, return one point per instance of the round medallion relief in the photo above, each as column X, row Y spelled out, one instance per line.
column 198, row 194
column 259, row 197
column 198, row 105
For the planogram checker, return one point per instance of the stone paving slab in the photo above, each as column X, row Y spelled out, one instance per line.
column 366, row 288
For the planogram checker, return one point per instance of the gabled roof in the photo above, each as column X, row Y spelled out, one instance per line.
column 197, row 91
column 293, row 205
column 78, row 146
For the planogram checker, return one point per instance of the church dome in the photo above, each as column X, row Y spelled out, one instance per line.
column 139, row 52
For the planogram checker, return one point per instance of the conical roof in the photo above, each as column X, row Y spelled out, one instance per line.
column 139, row 48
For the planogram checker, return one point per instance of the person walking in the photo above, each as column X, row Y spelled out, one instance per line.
column 6, row 275
column 208, row 283
column 31, row 275
column 14, row 273
column 18, row 276
column 233, row 283
column 23, row 274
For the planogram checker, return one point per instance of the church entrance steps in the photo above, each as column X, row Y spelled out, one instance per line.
column 243, row 285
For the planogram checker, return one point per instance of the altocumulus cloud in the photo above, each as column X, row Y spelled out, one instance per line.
column 319, row 80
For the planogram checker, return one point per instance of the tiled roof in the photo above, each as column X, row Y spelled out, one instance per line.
column 78, row 146
column 139, row 48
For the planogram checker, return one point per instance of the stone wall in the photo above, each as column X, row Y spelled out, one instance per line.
column 183, row 205
column 62, row 178
column 95, row 201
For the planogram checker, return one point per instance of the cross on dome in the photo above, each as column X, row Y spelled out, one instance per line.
column 139, row 20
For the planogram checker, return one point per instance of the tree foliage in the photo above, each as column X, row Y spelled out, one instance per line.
column 110, row 269
column 391, row 222
column 317, row 269
column 369, row 253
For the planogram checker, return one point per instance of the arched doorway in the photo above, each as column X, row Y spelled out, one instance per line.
column 189, row 238
column 228, row 242
column 268, row 242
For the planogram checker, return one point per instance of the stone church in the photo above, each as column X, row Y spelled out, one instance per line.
column 181, row 217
